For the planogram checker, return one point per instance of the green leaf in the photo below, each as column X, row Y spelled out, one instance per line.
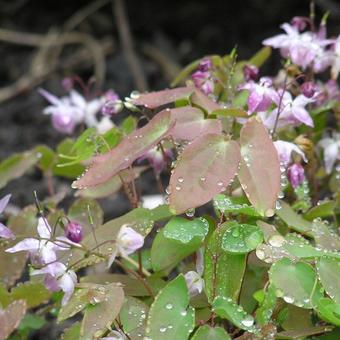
column 69, row 171
column 78, row 301
column 223, row 272
column 206, row 168
column 31, row 322
column 265, row 311
column 292, row 219
column 295, row 282
column 261, row 56
column 214, row 333
column 17, row 165
column 227, row 309
column 72, row 333
column 170, row 317
column 105, row 166
column 260, row 184
column 184, row 230
column 325, row 237
column 34, row 293
column 133, row 317
column 99, row 317
column 329, row 311
column 178, row 239
column 241, row 238
column 47, row 158
column 234, row 205
column 230, row 112
column 128, row 125
column 329, row 275
column 324, row 209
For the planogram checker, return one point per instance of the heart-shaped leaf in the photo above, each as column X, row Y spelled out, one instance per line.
column 170, row 317
column 296, row 283
column 204, row 102
column 153, row 100
column 105, row 166
column 190, row 123
column 133, row 317
column 329, row 274
column 11, row 317
column 205, row 168
column 241, row 238
column 206, row 332
column 260, row 167
column 98, row 318
column 178, row 239
column 329, row 311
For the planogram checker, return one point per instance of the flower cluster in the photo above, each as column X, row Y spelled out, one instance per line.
column 73, row 109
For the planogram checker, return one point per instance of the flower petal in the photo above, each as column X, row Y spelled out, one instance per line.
column 3, row 202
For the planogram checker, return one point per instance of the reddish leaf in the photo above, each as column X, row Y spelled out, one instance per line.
column 105, row 166
column 11, row 317
column 190, row 123
column 153, row 100
column 260, row 168
column 203, row 101
column 206, row 168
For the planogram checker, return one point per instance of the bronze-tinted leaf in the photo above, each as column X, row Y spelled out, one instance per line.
column 153, row 100
column 203, row 101
column 260, row 168
column 98, row 318
column 190, row 123
column 105, row 166
column 11, row 317
column 206, row 167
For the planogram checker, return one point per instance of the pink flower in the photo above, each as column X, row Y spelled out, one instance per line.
column 127, row 242
column 112, row 103
column 261, row 95
column 250, row 72
column 58, row 277
column 205, row 65
column 193, row 279
column 285, row 151
column 203, row 81
column 63, row 123
column 308, row 89
column 304, row 49
column 42, row 250
column 4, row 231
column 292, row 112
column 300, row 23
column 331, row 150
column 74, row 232
column 296, row 174
column 156, row 158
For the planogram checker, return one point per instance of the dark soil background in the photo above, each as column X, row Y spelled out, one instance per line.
column 179, row 31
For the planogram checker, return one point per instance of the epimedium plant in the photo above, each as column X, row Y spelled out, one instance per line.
column 242, row 243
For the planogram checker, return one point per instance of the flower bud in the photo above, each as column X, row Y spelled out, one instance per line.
column 251, row 72
column 295, row 174
column 128, row 240
column 112, row 107
column 194, row 283
column 74, row 232
column 308, row 89
column 63, row 123
column 205, row 65
column 300, row 23
column 67, row 83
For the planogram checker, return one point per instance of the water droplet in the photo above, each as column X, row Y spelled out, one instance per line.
column 184, row 312
column 260, row 254
column 180, row 179
column 276, row 240
column 202, row 179
column 248, row 321
column 269, row 212
column 163, row 329
column 169, row 306
column 178, row 187
column 278, row 205
column 288, row 299
column 220, row 184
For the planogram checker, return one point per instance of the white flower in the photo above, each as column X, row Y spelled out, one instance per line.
column 331, row 150
column 285, row 151
column 193, row 279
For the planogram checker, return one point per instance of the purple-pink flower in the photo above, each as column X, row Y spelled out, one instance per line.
column 193, row 279
column 58, row 277
column 296, row 174
column 250, row 72
column 331, row 150
column 74, row 231
column 127, row 242
column 42, row 250
column 261, row 94
column 156, row 158
column 4, row 231
column 202, row 78
column 285, row 151
column 304, row 49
